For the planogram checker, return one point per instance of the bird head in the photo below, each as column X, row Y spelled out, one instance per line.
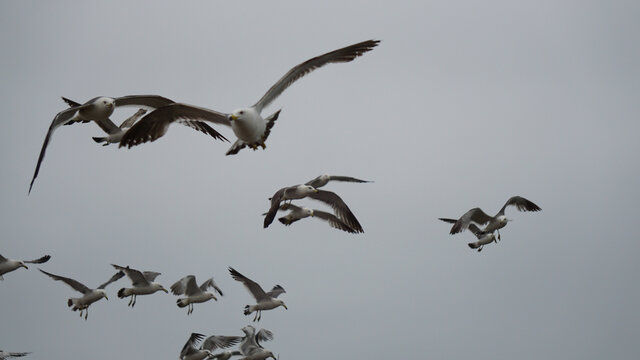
column 22, row 264
column 282, row 304
column 103, row 293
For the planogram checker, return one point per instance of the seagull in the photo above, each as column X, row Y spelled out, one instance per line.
column 142, row 283
column 252, row 338
column 6, row 354
column 298, row 213
column 494, row 223
column 301, row 191
column 484, row 238
column 8, row 265
column 265, row 301
column 247, row 123
column 322, row 180
column 99, row 109
column 89, row 295
column 191, row 352
column 188, row 286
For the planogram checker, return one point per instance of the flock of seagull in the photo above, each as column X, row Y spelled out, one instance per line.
column 251, row 130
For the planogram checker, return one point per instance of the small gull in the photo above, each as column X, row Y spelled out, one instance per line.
column 264, row 300
column 8, row 265
column 296, row 213
column 99, row 109
column 322, row 180
column 494, row 223
column 89, row 296
column 142, row 284
column 194, row 294
column 247, row 123
column 302, row 191
column 7, row 354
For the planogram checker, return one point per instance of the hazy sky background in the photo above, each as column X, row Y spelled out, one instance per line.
column 463, row 104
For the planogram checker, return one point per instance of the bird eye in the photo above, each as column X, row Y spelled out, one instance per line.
column 241, row 112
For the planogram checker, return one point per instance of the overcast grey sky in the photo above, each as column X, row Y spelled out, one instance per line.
column 463, row 104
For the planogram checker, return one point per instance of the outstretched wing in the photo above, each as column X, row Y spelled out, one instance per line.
column 275, row 204
column 132, row 119
column 42, row 260
column 117, row 276
column 251, row 285
column 151, row 275
column 342, row 55
column 322, row 180
column 156, row 123
column 220, row 342
column 521, row 204
column 61, row 118
column 185, row 285
column 190, row 346
column 76, row 285
column 334, row 221
column 137, row 278
column 277, row 290
column 210, row 284
column 340, row 207
column 148, row 101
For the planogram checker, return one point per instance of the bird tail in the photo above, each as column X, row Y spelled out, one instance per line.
column 181, row 303
column 121, row 293
column 246, row 310
column 70, row 302
column 285, row 220
column 474, row 245
column 99, row 139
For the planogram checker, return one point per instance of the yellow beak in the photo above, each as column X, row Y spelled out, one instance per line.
column 234, row 117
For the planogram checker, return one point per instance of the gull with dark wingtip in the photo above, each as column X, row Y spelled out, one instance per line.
column 89, row 295
column 264, row 300
column 8, row 265
column 324, row 179
column 494, row 223
column 143, row 284
column 194, row 294
column 247, row 123
column 99, row 109
column 296, row 213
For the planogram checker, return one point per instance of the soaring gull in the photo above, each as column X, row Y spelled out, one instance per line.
column 8, row 265
column 99, row 109
column 142, row 283
column 302, row 191
column 322, row 180
column 264, row 300
column 194, row 294
column 191, row 352
column 89, row 296
column 7, row 354
column 247, row 123
column 494, row 223
column 296, row 213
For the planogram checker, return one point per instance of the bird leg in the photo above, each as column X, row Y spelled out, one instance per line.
column 130, row 300
column 190, row 309
column 260, row 315
column 86, row 313
column 498, row 236
column 134, row 300
column 256, row 315
column 264, row 146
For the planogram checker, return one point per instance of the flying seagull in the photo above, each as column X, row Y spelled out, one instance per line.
column 302, row 191
column 494, row 223
column 264, row 300
column 89, row 296
column 298, row 213
column 8, row 265
column 484, row 238
column 6, row 354
column 191, row 352
column 247, row 123
column 194, row 294
column 142, row 283
column 99, row 109
column 322, row 180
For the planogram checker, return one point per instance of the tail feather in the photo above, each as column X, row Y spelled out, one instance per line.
column 474, row 245
column 285, row 220
column 99, row 139
column 246, row 310
column 70, row 303
column 121, row 293
column 181, row 303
